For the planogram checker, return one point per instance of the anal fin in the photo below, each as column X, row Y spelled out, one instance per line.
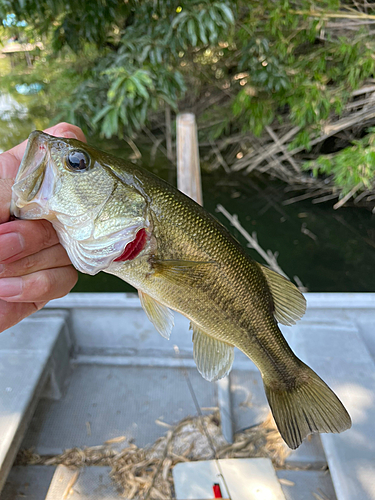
column 213, row 358
column 160, row 316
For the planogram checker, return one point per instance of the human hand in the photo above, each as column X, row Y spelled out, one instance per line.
column 34, row 267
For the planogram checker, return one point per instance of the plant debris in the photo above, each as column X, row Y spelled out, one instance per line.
column 146, row 473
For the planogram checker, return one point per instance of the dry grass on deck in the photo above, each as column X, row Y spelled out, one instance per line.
column 146, row 473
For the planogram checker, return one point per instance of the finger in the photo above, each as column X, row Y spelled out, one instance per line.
column 10, row 160
column 5, row 196
column 55, row 256
column 40, row 286
column 20, row 238
column 11, row 313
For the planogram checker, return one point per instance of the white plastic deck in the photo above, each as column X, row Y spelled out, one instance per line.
column 239, row 479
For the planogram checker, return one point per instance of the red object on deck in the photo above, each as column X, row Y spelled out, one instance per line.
column 217, row 491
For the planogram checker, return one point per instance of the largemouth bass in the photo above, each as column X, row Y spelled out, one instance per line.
column 115, row 217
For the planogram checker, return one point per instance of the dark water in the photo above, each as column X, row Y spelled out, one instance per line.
column 336, row 255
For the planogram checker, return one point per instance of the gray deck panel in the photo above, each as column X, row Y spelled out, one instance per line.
column 20, row 376
column 249, row 401
column 358, row 308
column 34, row 333
column 29, row 482
column 103, row 402
column 25, row 354
column 88, row 483
column 250, row 407
column 306, row 483
column 115, row 325
column 319, row 313
column 310, row 454
column 127, row 332
column 340, row 357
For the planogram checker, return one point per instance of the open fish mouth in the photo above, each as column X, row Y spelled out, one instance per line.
column 94, row 236
column 92, row 255
column 34, row 183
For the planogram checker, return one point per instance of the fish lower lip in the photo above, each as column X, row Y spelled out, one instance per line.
column 30, row 173
column 31, row 211
column 34, row 155
column 14, row 210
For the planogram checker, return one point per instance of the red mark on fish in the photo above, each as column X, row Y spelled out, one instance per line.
column 135, row 247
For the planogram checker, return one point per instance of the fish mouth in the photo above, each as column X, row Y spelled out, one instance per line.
column 93, row 241
column 91, row 255
column 34, row 183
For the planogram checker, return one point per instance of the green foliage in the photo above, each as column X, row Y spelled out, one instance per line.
column 72, row 23
column 267, row 70
column 349, row 167
column 58, row 76
column 113, row 66
column 132, row 93
column 258, row 114
column 144, row 73
column 205, row 25
column 290, row 68
column 142, row 45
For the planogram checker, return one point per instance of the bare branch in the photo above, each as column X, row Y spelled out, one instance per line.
column 268, row 256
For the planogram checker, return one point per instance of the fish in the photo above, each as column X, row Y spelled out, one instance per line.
column 113, row 216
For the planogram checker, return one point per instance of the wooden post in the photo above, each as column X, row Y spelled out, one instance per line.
column 28, row 59
column 188, row 168
column 168, row 133
column 189, row 182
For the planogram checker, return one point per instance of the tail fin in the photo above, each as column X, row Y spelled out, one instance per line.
column 309, row 407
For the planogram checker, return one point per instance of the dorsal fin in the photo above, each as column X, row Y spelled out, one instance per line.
column 290, row 304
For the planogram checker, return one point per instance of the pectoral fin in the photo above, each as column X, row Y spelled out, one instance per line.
column 290, row 304
column 213, row 358
column 159, row 315
column 182, row 271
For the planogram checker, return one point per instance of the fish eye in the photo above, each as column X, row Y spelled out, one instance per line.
column 77, row 161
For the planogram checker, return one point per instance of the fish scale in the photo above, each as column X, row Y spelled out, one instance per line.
column 227, row 289
column 185, row 261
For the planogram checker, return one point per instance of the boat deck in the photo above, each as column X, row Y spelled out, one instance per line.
column 91, row 368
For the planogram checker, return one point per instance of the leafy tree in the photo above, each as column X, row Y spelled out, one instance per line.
column 352, row 167
column 149, row 52
column 140, row 45
column 239, row 65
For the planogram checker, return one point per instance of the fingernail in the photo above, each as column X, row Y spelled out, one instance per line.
column 10, row 287
column 68, row 134
column 11, row 244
